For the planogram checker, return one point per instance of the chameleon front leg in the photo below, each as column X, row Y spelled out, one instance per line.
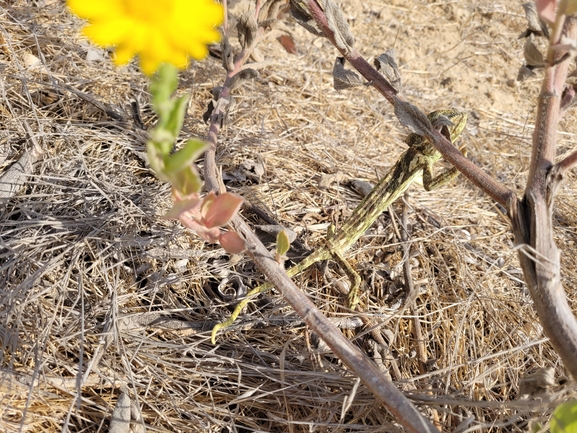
column 431, row 183
column 338, row 257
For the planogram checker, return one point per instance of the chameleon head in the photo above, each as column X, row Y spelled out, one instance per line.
column 457, row 119
column 454, row 120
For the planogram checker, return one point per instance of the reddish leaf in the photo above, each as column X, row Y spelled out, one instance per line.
column 210, row 234
column 288, row 44
column 181, row 206
column 222, row 209
column 546, row 9
column 232, row 242
column 206, row 204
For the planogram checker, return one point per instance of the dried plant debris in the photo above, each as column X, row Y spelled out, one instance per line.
column 537, row 384
column 301, row 15
column 533, row 57
column 386, row 64
column 410, row 116
column 14, row 177
column 344, row 78
column 535, row 25
column 106, row 305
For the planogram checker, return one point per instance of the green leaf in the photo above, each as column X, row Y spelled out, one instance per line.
column 163, row 110
column 179, row 168
column 186, row 181
column 282, row 243
column 564, row 419
column 156, row 158
column 189, row 153
column 163, row 85
column 173, row 122
column 534, row 426
column 163, row 139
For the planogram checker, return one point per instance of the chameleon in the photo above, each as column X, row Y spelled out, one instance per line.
column 418, row 158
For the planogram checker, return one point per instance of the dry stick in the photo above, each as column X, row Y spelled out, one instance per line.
column 17, row 174
column 411, row 300
column 405, row 412
column 531, row 217
column 566, row 164
column 412, row 292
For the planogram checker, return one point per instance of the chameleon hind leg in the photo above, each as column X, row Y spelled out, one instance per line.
column 354, row 277
column 337, row 256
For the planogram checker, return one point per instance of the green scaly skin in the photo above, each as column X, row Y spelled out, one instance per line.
column 419, row 158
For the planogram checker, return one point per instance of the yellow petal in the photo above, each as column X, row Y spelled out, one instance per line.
column 94, row 9
column 108, row 33
column 198, row 51
column 160, row 51
column 149, row 65
column 123, row 54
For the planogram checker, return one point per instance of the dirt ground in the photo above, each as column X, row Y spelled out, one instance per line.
column 102, row 300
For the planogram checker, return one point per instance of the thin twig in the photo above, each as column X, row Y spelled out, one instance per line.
column 566, row 164
column 412, row 293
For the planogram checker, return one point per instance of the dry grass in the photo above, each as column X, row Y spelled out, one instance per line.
column 100, row 295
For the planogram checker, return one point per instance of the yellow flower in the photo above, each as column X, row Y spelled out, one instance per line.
column 158, row 31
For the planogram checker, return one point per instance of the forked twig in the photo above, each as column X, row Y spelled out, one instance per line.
column 532, row 217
